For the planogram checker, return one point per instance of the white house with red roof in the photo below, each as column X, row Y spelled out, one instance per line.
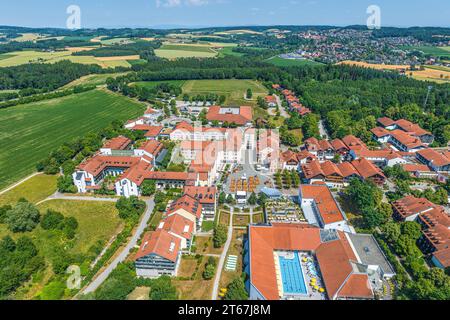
column 321, row 209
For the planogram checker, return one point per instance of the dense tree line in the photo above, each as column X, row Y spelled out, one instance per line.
column 50, row 44
column 42, row 76
column 136, row 48
column 43, row 96
column 19, row 260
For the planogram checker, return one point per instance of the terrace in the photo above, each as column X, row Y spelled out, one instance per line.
column 283, row 210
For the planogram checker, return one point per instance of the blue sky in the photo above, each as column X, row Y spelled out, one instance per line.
column 147, row 13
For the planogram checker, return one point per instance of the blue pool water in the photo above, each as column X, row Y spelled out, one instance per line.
column 292, row 275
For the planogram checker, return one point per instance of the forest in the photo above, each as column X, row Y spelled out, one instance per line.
column 46, row 77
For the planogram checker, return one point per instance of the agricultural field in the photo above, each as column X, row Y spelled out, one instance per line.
column 29, row 132
column 234, row 90
column 34, row 190
column 28, row 37
column 435, row 51
column 228, row 51
column 280, row 62
column 31, row 56
column 430, row 73
column 93, row 79
column 238, row 31
column 175, row 51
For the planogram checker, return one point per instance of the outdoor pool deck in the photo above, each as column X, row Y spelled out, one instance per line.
column 294, row 276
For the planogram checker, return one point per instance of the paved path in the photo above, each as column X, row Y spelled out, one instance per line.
column 215, row 291
column 19, row 182
column 60, row 196
column 323, row 131
column 122, row 256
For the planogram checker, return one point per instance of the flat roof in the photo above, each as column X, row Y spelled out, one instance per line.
column 369, row 252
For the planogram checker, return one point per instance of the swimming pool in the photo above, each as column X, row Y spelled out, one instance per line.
column 292, row 274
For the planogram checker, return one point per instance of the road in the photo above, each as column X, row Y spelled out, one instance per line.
column 215, row 291
column 323, row 131
column 123, row 255
column 21, row 181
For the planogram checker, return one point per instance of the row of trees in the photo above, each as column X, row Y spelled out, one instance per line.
column 44, row 76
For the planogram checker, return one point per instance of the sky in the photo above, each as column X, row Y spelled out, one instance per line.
column 205, row 13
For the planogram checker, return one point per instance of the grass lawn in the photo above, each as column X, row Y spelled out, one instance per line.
column 197, row 289
column 258, row 218
column 280, row 62
column 97, row 220
column 436, row 51
column 204, row 245
column 155, row 219
column 224, row 218
column 207, row 226
column 228, row 51
column 153, row 84
column 140, row 293
column 175, row 54
column 236, row 248
column 241, row 220
column 34, row 190
column 234, row 90
column 29, row 132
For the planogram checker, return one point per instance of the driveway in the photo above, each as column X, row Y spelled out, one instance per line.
column 123, row 255
column 215, row 291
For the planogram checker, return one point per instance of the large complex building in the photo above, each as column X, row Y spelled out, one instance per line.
column 283, row 259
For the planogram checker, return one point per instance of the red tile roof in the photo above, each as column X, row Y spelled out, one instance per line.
column 158, row 175
column 98, row 163
column 138, row 173
column 161, row 243
column 202, row 194
column 434, row 157
column 411, row 205
column 327, row 206
column 187, row 203
column 338, row 144
column 334, row 257
column 152, row 147
column 410, row 127
column 410, row 167
column 386, row 122
column 380, row 132
column 153, row 131
column 407, row 140
column 367, row 169
column 243, row 117
column 271, row 99
column 178, row 225
column 353, row 142
column 117, row 143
